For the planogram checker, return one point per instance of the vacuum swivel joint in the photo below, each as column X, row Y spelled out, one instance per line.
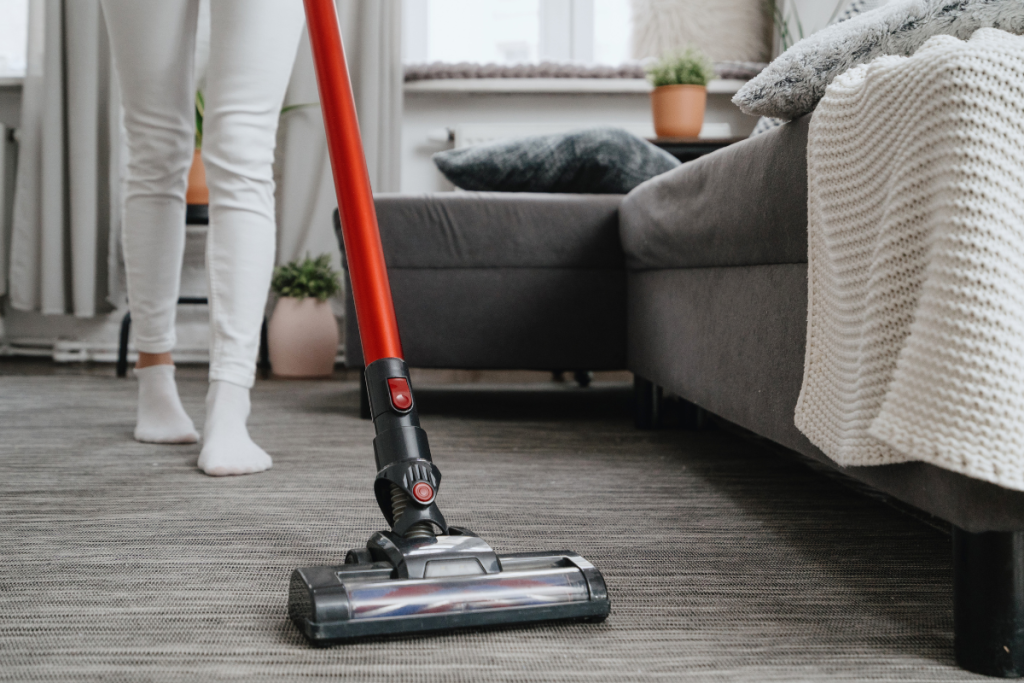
column 407, row 479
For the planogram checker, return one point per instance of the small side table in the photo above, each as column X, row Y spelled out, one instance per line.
column 688, row 149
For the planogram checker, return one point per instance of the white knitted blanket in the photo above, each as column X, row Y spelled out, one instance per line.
column 915, row 335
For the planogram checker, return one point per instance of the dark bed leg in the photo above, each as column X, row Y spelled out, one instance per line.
column 646, row 403
column 988, row 602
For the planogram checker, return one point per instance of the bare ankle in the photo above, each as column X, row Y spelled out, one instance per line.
column 149, row 359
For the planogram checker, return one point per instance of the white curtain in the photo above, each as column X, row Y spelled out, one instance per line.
column 65, row 244
column 64, row 241
column 372, row 33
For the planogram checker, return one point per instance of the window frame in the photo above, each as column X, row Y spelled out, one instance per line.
column 567, row 31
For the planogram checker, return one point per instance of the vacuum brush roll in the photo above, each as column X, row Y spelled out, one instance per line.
column 439, row 584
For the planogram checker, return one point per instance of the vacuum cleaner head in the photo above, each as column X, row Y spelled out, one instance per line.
column 401, row 585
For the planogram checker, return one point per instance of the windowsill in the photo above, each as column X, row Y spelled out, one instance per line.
column 11, row 81
column 584, row 86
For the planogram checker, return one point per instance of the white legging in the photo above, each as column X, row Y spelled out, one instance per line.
column 252, row 50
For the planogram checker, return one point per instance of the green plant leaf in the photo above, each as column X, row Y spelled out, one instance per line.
column 787, row 37
column 687, row 67
column 200, row 113
column 293, row 107
column 309, row 277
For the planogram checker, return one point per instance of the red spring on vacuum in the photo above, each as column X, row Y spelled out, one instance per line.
column 399, row 501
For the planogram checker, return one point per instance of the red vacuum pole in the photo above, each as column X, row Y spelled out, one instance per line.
column 371, row 290
column 324, row 602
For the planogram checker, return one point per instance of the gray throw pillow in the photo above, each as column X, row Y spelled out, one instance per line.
column 794, row 83
column 591, row 161
column 848, row 11
column 854, row 7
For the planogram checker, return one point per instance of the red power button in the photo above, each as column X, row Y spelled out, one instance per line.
column 401, row 397
column 423, row 492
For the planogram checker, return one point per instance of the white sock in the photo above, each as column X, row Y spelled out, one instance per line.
column 161, row 417
column 227, row 448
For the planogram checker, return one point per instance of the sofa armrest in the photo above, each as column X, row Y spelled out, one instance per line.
column 499, row 229
column 743, row 205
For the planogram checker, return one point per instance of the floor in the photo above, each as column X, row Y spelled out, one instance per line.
column 725, row 560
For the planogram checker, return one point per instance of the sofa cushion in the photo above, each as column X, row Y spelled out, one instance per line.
column 590, row 161
column 485, row 230
column 743, row 205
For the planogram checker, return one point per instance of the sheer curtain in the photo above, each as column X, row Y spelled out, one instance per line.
column 372, row 33
column 65, row 244
column 727, row 30
column 64, row 238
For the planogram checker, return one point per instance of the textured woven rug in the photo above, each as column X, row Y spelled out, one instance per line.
column 119, row 561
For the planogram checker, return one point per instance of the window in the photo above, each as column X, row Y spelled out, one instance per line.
column 517, row 31
column 13, row 37
column 613, row 31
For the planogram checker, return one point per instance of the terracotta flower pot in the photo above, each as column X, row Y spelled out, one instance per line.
column 302, row 337
column 197, row 192
column 678, row 110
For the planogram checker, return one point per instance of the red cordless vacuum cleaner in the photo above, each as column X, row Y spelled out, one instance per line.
column 422, row 575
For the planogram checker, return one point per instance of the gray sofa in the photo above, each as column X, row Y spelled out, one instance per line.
column 697, row 282
column 503, row 281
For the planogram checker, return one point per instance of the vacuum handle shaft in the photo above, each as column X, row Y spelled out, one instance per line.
column 371, row 291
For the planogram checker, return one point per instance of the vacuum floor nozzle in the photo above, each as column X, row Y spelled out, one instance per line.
column 397, row 585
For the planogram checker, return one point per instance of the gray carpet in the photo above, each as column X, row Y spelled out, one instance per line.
column 119, row 561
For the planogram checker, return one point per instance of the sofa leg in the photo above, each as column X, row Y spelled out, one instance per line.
column 364, row 397
column 988, row 602
column 646, row 403
column 693, row 416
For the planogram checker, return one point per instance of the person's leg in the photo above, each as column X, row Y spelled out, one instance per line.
column 252, row 50
column 152, row 42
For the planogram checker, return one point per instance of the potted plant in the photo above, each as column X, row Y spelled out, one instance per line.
column 680, row 93
column 197, row 196
column 303, row 335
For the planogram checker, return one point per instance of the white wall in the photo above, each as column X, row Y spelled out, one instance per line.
column 814, row 14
